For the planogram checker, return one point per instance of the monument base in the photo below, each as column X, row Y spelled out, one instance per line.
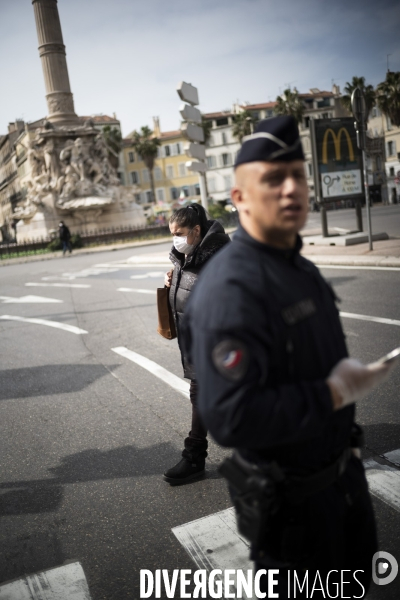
column 90, row 214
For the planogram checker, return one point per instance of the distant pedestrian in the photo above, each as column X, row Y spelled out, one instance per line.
column 65, row 237
column 195, row 241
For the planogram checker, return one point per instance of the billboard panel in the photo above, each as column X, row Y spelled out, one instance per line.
column 337, row 159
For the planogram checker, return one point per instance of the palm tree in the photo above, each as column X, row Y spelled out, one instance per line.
column 368, row 90
column 206, row 125
column 388, row 97
column 243, row 125
column 290, row 103
column 146, row 145
column 113, row 139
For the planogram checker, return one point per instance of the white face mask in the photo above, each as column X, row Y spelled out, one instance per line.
column 180, row 243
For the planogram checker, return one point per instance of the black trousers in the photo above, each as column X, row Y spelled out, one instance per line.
column 331, row 530
column 196, row 443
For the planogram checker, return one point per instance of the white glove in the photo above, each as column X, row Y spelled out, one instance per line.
column 350, row 380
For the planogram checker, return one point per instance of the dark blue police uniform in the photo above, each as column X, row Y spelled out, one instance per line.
column 262, row 352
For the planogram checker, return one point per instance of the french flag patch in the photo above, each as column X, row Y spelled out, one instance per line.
column 231, row 359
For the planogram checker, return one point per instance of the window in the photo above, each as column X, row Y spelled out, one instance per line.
column 391, row 148
column 197, row 189
column 211, row 161
column 223, row 121
column 211, row 185
column 182, row 169
column 226, row 159
column 174, row 193
column 186, row 191
column 145, row 175
column 391, row 171
column 211, row 141
column 131, row 156
column 148, row 196
column 134, row 177
column 178, row 148
column 137, row 198
column 158, row 174
column 306, row 122
column 224, row 138
column 167, row 151
column 309, row 165
column 170, row 171
column 160, row 194
column 227, row 182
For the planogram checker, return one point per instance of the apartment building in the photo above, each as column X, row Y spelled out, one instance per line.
column 172, row 180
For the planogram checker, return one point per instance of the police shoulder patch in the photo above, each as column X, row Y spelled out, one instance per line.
column 231, row 359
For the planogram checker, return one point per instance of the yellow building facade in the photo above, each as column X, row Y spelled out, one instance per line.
column 172, row 180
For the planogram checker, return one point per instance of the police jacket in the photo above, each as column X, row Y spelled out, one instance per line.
column 262, row 350
column 184, row 277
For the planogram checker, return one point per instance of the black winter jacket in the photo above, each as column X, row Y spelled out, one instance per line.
column 185, row 275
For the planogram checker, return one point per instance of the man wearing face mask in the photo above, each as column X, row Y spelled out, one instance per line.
column 195, row 241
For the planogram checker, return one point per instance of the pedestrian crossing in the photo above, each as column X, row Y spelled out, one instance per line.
column 213, row 542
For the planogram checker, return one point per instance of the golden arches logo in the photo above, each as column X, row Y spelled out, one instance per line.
column 336, row 141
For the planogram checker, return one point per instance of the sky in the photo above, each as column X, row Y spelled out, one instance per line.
column 128, row 57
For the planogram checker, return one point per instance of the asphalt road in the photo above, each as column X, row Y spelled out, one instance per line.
column 85, row 434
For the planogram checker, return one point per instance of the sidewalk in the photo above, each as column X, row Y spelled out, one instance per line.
column 386, row 253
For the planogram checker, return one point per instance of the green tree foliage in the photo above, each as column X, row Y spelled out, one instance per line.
column 146, row 145
column 388, row 96
column 243, row 124
column 206, row 125
column 368, row 90
column 113, row 139
column 290, row 103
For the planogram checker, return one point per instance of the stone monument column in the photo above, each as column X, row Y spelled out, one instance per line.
column 52, row 53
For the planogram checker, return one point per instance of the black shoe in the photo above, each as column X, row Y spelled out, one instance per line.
column 186, row 470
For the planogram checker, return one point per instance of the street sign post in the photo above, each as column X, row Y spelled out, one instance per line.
column 188, row 93
column 192, row 130
column 337, row 165
column 194, row 150
column 360, row 114
column 196, row 166
column 190, row 113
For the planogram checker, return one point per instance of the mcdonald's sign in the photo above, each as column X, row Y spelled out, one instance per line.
column 336, row 141
column 337, row 159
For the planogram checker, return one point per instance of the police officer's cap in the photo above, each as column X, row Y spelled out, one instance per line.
column 274, row 139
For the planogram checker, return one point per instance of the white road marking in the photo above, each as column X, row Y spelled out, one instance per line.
column 362, row 268
column 149, row 275
column 172, row 380
column 64, row 583
column 61, row 285
column 214, row 542
column 139, row 291
column 89, row 273
column 64, row 326
column 384, row 480
column 368, row 318
column 27, row 300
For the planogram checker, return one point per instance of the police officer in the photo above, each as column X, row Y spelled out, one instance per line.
column 275, row 380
